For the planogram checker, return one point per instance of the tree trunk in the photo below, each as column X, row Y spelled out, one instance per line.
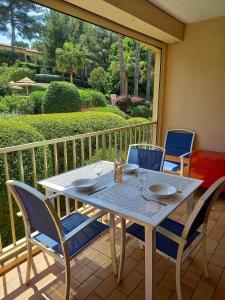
column 13, row 25
column 122, row 65
column 137, row 69
column 149, row 70
column 71, row 77
column 126, row 84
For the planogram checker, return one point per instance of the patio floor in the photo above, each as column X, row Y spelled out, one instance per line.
column 92, row 276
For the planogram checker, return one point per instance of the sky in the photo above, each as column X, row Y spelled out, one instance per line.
column 4, row 39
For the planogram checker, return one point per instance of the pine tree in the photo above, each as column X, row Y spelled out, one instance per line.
column 20, row 18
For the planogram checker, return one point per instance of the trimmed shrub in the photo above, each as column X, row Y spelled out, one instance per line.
column 31, row 66
column 127, row 103
column 37, row 98
column 92, row 98
column 61, row 97
column 47, row 78
column 5, row 90
column 65, row 124
column 16, row 104
column 97, row 79
column 9, row 57
column 111, row 109
column 14, row 132
column 19, row 73
column 141, row 111
column 136, row 121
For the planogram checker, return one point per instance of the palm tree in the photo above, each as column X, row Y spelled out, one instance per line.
column 148, row 76
column 121, row 65
column 137, row 68
column 69, row 59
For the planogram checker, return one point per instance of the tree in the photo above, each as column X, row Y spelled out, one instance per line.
column 20, row 18
column 97, row 79
column 148, row 75
column 121, row 65
column 69, row 59
column 137, row 68
column 21, row 44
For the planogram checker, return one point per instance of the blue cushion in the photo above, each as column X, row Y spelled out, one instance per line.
column 171, row 166
column 163, row 243
column 80, row 240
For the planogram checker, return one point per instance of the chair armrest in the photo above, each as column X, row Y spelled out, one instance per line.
column 184, row 155
column 73, row 232
column 54, row 196
column 176, row 238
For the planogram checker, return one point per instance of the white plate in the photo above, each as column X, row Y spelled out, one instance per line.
column 129, row 168
column 162, row 190
column 84, row 184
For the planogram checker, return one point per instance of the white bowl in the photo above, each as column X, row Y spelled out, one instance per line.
column 162, row 190
column 84, row 184
column 129, row 168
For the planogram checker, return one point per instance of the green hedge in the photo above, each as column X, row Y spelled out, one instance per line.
column 112, row 109
column 92, row 98
column 37, row 98
column 136, row 121
column 61, row 97
column 31, row 66
column 17, row 104
column 141, row 111
column 47, row 78
column 65, row 124
column 9, row 57
column 14, row 132
column 19, row 73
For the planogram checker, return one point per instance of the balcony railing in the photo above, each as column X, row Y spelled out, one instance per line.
column 38, row 160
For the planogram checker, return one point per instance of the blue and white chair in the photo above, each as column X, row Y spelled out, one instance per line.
column 61, row 238
column 147, row 156
column 175, row 240
column 178, row 145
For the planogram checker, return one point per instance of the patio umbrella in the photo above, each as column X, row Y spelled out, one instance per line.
column 25, row 82
column 16, row 87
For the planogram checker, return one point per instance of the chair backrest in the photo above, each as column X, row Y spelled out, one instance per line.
column 37, row 210
column 147, row 156
column 179, row 141
column 202, row 208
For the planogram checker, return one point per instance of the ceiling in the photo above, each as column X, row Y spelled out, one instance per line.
column 189, row 11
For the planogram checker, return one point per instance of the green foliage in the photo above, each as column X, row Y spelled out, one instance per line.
column 92, row 98
column 9, row 57
column 66, row 124
column 69, row 59
column 97, row 79
column 19, row 73
column 62, row 97
column 47, row 78
column 5, row 90
column 141, row 111
column 111, row 109
column 31, row 66
column 14, row 132
column 37, row 98
column 16, row 104
column 136, row 121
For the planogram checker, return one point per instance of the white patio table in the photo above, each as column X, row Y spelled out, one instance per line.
column 125, row 200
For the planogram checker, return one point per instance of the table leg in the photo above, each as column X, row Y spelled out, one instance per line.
column 150, row 251
column 190, row 205
column 122, row 249
column 113, row 242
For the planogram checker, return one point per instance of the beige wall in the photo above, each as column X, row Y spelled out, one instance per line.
column 195, row 84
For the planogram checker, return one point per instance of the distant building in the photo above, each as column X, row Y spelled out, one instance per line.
column 26, row 51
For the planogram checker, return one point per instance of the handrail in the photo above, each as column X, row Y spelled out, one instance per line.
column 68, row 138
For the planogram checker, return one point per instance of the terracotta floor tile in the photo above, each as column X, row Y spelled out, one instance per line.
column 130, row 282
column 221, row 244
column 214, row 274
column 168, row 280
column 83, row 274
column 203, row 291
column 218, row 258
column 192, row 276
column 216, row 234
column 186, row 293
column 211, row 245
column 162, row 293
column 137, row 294
column 117, row 295
column 93, row 296
column 220, row 290
column 108, row 285
column 87, row 287
column 163, row 265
